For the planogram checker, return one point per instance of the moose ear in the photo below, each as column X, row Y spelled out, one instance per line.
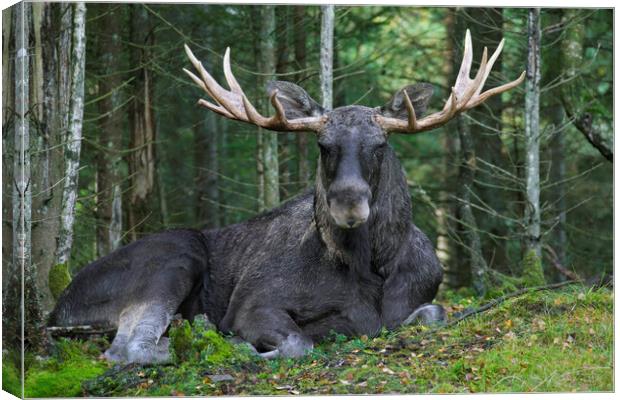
column 420, row 95
column 296, row 102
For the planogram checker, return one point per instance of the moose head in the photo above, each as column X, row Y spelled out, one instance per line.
column 352, row 139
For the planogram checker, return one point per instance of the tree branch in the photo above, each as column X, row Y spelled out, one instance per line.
column 583, row 123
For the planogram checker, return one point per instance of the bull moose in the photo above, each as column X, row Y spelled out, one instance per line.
column 343, row 256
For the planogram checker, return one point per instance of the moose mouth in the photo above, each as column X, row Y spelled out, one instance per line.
column 347, row 217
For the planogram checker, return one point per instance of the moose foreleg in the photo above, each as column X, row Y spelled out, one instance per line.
column 411, row 285
column 273, row 333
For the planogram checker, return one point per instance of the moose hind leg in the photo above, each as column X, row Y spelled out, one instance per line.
column 146, row 345
column 118, row 350
column 427, row 314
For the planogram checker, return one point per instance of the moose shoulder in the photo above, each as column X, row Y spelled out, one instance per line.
column 344, row 256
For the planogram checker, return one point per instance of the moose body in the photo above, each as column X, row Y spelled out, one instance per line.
column 344, row 257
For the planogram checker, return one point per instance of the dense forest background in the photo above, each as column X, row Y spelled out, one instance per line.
column 144, row 157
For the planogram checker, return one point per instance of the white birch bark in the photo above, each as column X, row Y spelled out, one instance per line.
column 74, row 134
column 327, row 55
column 532, row 135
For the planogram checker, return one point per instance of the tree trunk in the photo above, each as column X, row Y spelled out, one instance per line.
column 532, row 136
column 206, row 136
column 487, row 140
column 556, row 149
column 74, row 133
column 472, row 267
column 444, row 249
column 299, row 38
column 282, row 66
column 8, row 137
column 109, row 201
column 141, row 160
column 51, row 86
column 327, row 55
column 268, row 143
column 22, row 317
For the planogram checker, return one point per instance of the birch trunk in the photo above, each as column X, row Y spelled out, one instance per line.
column 327, row 55
column 8, row 137
column 21, row 315
column 109, row 201
column 532, row 135
column 74, row 134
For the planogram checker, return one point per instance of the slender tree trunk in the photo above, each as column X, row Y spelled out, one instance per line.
column 8, row 137
column 472, row 266
column 268, row 141
column 487, row 140
column 109, row 200
column 74, row 134
column 532, row 135
column 327, row 56
column 141, row 160
column 299, row 38
column 282, row 66
column 206, row 161
column 556, row 150
column 443, row 248
column 471, row 240
column 21, row 315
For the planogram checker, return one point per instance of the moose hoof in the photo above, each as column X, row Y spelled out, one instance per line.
column 114, row 355
column 295, row 346
column 147, row 354
column 427, row 314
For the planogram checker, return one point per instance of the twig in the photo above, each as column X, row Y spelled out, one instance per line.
column 79, row 330
column 502, row 299
column 553, row 257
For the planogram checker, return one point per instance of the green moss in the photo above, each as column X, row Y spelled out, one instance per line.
column 58, row 279
column 533, row 274
column 62, row 380
column 11, row 378
column 61, row 375
column 199, row 342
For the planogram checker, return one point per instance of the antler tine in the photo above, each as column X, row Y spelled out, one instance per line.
column 489, row 66
column 230, row 78
column 412, row 119
column 462, row 78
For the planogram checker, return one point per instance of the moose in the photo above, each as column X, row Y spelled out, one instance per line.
column 343, row 256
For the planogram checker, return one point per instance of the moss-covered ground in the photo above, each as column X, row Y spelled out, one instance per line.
column 545, row 341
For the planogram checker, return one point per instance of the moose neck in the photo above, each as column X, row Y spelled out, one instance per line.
column 372, row 244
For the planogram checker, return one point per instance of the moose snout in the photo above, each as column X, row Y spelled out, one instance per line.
column 349, row 206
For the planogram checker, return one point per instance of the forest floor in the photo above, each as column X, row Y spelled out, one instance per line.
column 546, row 341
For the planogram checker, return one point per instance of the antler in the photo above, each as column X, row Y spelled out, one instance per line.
column 465, row 94
column 234, row 104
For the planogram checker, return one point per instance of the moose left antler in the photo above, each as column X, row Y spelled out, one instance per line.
column 466, row 94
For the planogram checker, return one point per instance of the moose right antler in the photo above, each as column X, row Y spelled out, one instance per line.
column 234, row 104
column 465, row 94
